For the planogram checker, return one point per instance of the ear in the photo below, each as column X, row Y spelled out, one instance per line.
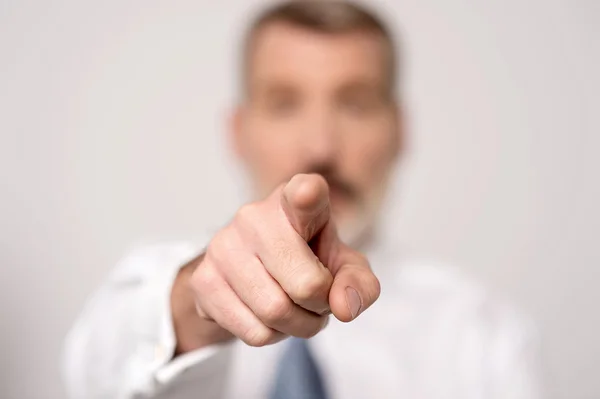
column 235, row 128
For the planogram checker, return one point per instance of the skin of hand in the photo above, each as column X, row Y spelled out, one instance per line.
column 277, row 270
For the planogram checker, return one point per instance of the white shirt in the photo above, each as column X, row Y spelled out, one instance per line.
column 432, row 334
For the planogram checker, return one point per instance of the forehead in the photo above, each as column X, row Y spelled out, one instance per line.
column 284, row 52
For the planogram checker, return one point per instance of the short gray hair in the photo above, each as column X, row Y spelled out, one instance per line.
column 332, row 17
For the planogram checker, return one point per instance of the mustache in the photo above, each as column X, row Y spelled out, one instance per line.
column 335, row 181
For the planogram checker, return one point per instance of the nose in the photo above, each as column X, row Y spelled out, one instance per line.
column 321, row 140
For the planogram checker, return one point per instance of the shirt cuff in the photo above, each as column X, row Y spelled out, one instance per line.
column 208, row 362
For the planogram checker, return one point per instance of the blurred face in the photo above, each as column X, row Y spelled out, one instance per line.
column 319, row 103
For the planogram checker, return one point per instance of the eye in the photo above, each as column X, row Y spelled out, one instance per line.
column 358, row 104
column 282, row 105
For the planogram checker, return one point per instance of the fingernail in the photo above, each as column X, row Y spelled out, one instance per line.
column 353, row 300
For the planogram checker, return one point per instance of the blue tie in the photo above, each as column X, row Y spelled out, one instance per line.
column 297, row 375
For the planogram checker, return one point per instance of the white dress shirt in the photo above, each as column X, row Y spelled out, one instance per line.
column 432, row 334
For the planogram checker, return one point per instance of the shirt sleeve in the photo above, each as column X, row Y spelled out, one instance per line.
column 122, row 344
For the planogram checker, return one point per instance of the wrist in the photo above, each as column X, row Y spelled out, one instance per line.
column 192, row 332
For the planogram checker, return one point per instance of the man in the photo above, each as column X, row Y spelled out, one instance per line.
column 319, row 130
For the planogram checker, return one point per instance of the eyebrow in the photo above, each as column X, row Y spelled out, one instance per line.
column 272, row 87
column 356, row 86
column 364, row 86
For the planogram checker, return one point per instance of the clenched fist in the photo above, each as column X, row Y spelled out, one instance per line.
column 278, row 269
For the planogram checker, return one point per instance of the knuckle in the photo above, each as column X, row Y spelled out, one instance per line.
column 222, row 245
column 247, row 215
column 258, row 336
column 212, row 252
column 216, row 247
column 311, row 286
column 276, row 310
column 203, row 277
column 224, row 238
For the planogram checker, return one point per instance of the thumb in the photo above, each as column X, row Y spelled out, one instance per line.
column 305, row 201
column 355, row 287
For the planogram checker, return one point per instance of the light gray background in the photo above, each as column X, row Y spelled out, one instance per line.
column 111, row 122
